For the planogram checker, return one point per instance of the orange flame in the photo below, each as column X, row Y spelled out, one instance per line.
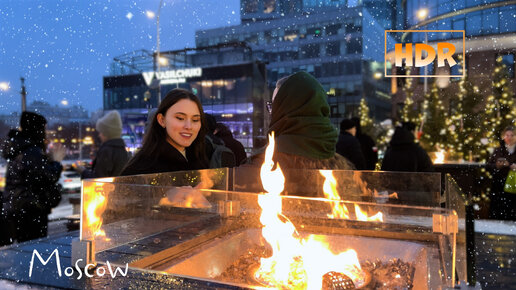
column 339, row 210
column 95, row 200
column 295, row 262
column 330, row 192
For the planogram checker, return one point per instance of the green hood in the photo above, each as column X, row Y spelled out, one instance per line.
column 300, row 118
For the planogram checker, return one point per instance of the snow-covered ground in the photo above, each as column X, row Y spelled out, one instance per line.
column 64, row 208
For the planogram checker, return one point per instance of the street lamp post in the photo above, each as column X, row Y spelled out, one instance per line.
column 422, row 14
column 157, row 48
column 23, row 93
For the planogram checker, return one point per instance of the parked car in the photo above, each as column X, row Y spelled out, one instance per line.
column 70, row 181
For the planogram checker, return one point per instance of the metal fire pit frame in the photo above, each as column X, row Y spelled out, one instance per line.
column 133, row 218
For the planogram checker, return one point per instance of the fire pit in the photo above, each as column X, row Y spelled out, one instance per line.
column 234, row 258
column 212, row 232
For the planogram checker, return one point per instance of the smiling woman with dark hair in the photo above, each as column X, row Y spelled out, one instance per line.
column 175, row 139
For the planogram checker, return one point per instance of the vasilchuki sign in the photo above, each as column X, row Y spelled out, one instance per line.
column 422, row 54
column 168, row 77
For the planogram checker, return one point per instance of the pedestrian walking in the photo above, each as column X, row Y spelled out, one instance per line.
column 367, row 145
column 349, row 146
column 403, row 154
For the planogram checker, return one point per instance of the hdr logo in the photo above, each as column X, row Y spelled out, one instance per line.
column 419, row 55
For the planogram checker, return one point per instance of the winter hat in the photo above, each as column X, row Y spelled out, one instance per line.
column 33, row 124
column 110, row 125
column 347, row 124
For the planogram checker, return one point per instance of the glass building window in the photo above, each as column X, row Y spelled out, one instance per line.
column 330, row 69
column 458, row 23
column 314, row 31
column 250, row 6
column 474, row 23
column 310, row 50
column 269, row 6
column 353, row 27
column 490, row 21
column 506, row 23
column 355, row 46
column 333, row 29
column 333, row 48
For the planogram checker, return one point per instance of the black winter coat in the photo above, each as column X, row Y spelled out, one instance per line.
column 31, row 179
column 167, row 159
column 233, row 144
column 369, row 150
column 403, row 154
column 349, row 147
column 110, row 160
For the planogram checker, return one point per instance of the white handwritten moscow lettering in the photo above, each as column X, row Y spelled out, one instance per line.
column 69, row 271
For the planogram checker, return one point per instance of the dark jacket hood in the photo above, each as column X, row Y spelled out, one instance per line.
column 223, row 131
column 402, row 136
column 301, row 118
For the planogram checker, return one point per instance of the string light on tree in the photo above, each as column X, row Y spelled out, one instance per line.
column 366, row 123
column 500, row 106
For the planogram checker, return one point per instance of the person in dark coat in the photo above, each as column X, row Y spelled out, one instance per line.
column 349, row 146
column 111, row 156
column 225, row 134
column 503, row 159
column 367, row 145
column 404, row 154
column 215, row 145
column 31, row 188
column 175, row 140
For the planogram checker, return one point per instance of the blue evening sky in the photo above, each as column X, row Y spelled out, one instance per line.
column 63, row 48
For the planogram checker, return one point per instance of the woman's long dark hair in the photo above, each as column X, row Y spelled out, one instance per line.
column 156, row 134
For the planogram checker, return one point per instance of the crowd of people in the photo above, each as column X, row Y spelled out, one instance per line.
column 180, row 136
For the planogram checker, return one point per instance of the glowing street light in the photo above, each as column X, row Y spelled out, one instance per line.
column 4, row 86
column 422, row 14
column 150, row 14
column 163, row 61
column 64, row 102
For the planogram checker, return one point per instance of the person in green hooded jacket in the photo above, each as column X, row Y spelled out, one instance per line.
column 300, row 119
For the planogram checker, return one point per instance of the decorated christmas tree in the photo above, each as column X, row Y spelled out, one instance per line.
column 410, row 113
column 434, row 135
column 465, row 124
column 500, row 110
column 366, row 123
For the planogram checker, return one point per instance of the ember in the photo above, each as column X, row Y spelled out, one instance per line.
column 392, row 274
